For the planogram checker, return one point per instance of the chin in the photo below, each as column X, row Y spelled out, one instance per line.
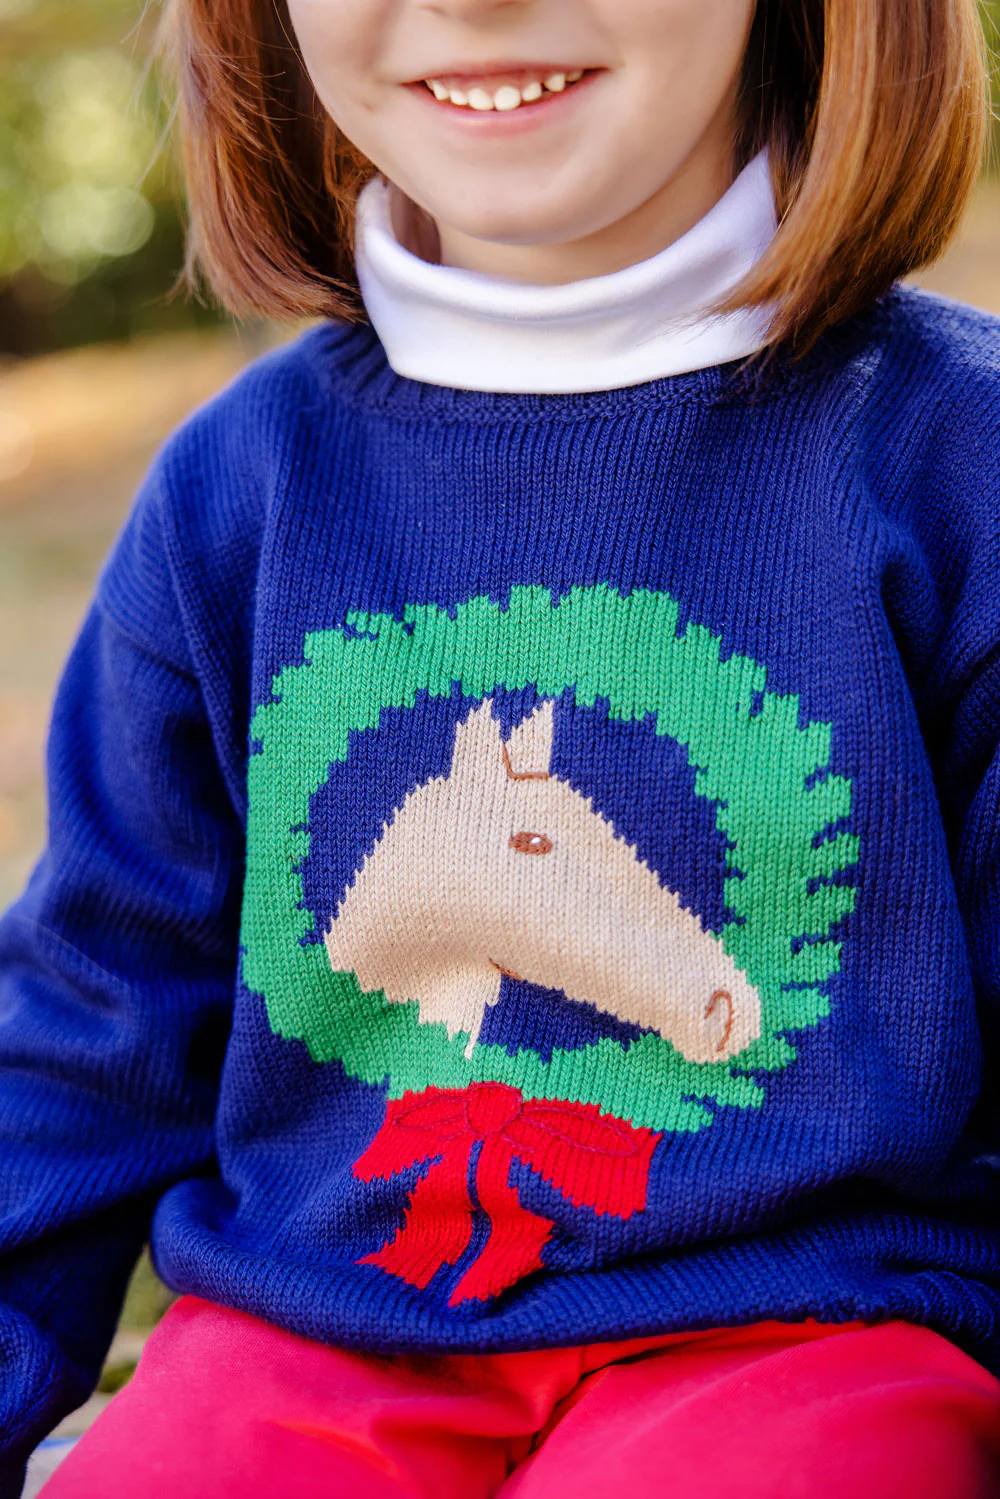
column 550, row 224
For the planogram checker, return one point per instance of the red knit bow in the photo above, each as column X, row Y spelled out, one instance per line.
column 594, row 1160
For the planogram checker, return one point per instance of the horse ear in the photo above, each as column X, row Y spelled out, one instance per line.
column 528, row 751
column 477, row 743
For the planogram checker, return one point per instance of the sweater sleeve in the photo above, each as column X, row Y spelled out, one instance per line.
column 116, row 980
column 973, row 786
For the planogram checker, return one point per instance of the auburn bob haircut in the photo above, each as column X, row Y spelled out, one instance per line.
column 874, row 111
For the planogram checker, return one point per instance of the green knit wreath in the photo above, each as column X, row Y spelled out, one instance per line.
column 780, row 809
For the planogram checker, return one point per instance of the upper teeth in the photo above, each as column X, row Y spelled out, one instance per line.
column 507, row 96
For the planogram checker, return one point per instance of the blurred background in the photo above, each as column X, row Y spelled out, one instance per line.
column 99, row 359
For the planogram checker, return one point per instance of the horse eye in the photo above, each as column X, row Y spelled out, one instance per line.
column 531, row 843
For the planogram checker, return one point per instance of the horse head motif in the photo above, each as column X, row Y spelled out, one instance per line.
column 501, row 867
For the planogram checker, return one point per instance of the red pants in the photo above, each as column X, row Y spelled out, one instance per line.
column 227, row 1407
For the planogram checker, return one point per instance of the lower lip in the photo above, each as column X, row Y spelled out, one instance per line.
column 505, row 122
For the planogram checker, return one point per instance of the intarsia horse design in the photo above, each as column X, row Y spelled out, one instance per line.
column 502, row 867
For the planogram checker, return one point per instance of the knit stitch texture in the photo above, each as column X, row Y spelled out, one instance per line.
column 525, row 870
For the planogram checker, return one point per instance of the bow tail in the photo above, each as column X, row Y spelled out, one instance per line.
column 438, row 1224
column 514, row 1247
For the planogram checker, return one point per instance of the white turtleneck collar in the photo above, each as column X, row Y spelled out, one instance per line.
column 475, row 332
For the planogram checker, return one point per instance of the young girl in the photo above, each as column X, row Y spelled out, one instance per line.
column 520, row 919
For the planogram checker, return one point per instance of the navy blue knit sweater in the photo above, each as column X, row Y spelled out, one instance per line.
column 525, row 870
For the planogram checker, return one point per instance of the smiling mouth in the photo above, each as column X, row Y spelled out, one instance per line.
column 502, row 93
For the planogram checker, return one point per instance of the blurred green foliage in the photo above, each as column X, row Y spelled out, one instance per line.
column 90, row 231
column 91, row 238
column 991, row 25
column 147, row 1297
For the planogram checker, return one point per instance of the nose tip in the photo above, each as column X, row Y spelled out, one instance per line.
column 531, row 843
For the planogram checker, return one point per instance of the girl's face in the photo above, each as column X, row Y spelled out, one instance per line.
column 586, row 132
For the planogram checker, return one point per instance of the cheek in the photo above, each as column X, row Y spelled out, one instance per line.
column 340, row 42
column 693, row 43
column 680, row 73
column 639, row 23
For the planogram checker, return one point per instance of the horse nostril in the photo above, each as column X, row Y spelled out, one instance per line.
column 531, row 843
column 722, row 997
